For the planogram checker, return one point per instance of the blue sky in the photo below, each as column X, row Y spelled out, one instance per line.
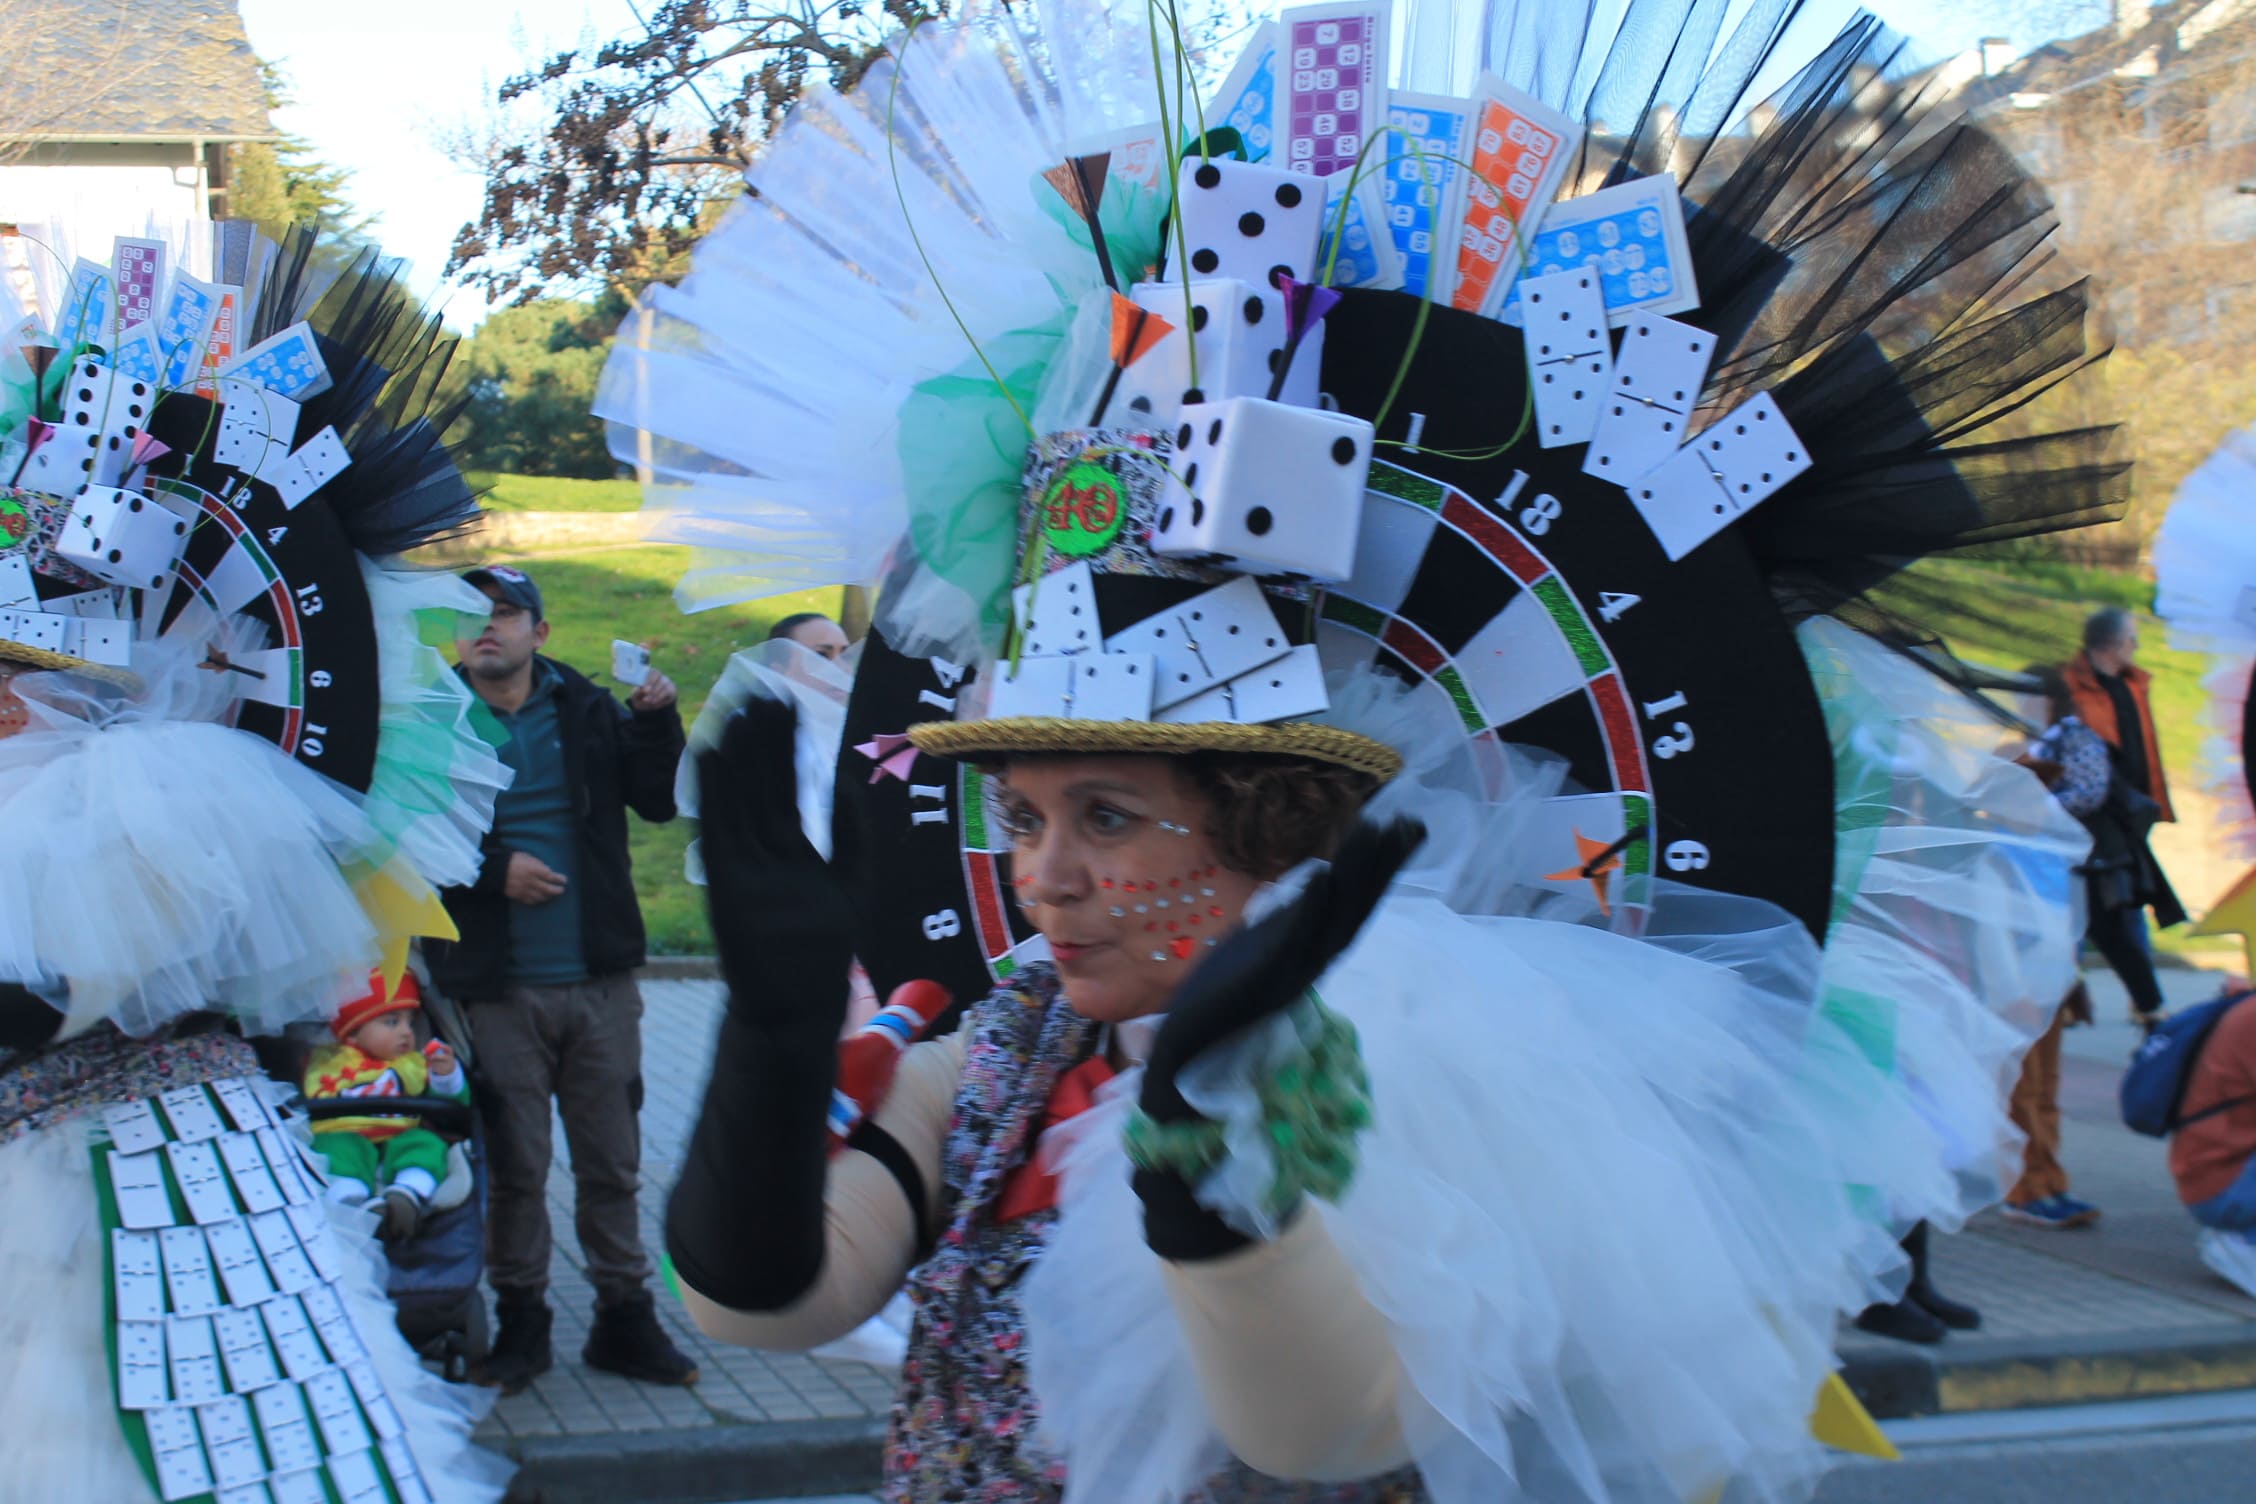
column 379, row 85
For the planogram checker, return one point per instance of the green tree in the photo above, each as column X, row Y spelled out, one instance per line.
column 280, row 183
column 532, row 371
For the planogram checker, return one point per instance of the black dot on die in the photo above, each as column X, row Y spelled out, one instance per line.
column 133, row 504
column 139, row 390
column 1251, row 225
column 1198, row 320
column 1167, row 519
column 1253, row 310
column 1192, row 396
column 83, row 418
column 115, row 556
column 1214, row 434
column 1204, row 260
column 1343, row 451
column 1208, row 176
column 1276, row 358
column 1288, row 195
column 1183, row 437
column 1259, row 521
column 1277, row 275
column 1190, row 476
column 1198, row 512
column 1140, row 405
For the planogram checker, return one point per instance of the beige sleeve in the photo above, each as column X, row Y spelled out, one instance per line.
column 1295, row 1365
column 872, row 1232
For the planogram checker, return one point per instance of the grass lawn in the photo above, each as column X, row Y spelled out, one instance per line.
column 2012, row 614
column 628, row 593
column 549, row 493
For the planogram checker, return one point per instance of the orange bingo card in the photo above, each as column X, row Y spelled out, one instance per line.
column 1520, row 152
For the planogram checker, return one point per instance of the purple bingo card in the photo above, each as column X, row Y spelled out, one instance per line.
column 1335, row 87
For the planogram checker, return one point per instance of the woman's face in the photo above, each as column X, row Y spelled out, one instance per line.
column 1111, row 861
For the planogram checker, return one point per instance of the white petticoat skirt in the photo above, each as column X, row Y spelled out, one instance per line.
column 64, row 1438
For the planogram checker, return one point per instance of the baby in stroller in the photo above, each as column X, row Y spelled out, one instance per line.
column 376, row 1056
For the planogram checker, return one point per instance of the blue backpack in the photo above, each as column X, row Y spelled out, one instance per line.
column 2154, row 1087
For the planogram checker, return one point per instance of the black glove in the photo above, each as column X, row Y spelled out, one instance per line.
column 745, row 1223
column 1263, row 969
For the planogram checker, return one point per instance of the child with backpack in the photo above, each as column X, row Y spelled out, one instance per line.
column 2194, row 1081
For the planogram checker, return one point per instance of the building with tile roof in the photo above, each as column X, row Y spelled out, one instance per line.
column 116, row 116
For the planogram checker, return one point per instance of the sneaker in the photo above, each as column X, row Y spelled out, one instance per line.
column 520, row 1352
column 2231, row 1255
column 2056, row 1212
column 628, row 1340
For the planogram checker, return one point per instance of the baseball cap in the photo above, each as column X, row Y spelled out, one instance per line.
column 514, row 586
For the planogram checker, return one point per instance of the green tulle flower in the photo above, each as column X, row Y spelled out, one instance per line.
column 1313, row 1109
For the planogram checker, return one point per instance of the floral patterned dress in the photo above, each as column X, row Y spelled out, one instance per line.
column 962, row 1430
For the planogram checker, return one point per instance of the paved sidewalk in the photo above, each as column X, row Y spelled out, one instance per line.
column 2122, row 1309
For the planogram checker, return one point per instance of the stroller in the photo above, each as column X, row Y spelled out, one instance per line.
column 436, row 1274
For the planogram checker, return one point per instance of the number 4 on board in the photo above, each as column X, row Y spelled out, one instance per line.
column 1612, row 604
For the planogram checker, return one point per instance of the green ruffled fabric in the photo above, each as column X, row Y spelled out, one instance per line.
column 963, row 442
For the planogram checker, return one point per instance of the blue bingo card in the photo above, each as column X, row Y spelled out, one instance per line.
column 89, row 312
column 1425, row 154
column 1247, row 100
column 186, row 325
column 289, row 364
column 1633, row 235
column 136, row 356
column 1367, row 254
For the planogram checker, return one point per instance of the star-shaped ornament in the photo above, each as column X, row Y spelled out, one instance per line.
column 1599, row 860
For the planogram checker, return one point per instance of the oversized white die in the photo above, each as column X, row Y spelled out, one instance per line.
column 123, row 537
column 1263, row 488
column 103, row 412
column 1247, row 222
column 1238, row 332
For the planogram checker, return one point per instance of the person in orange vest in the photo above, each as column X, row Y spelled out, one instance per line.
column 2104, row 687
column 376, row 1056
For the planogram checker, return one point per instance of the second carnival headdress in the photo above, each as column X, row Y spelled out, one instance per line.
column 214, row 446
column 1453, row 378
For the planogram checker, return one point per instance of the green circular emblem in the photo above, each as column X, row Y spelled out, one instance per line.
column 16, row 524
column 1084, row 509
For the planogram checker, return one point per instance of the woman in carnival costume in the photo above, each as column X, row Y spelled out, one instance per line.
column 1467, row 964
column 232, row 777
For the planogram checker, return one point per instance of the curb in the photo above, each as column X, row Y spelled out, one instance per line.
column 1896, row 1381
column 704, row 1465
column 796, row 1459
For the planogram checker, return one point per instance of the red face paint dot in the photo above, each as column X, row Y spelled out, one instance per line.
column 1194, row 919
column 1174, row 882
column 1183, row 946
column 1108, row 882
column 1149, row 886
column 1215, row 912
column 1172, row 926
column 1153, row 925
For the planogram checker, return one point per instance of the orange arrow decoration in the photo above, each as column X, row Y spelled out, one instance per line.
column 1080, row 181
column 1600, row 859
column 1134, row 331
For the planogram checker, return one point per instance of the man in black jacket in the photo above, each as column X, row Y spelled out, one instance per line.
column 551, row 935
